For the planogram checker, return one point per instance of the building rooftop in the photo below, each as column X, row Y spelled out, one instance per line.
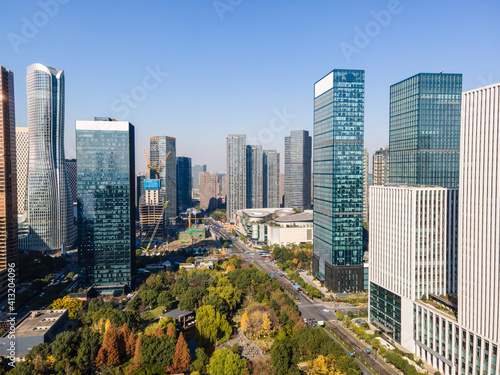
column 38, row 322
column 175, row 314
column 302, row 217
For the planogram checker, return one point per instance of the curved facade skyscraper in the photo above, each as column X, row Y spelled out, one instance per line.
column 49, row 204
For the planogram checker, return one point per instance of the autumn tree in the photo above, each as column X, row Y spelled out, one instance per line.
column 323, row 366
column 110, row 349
column 244, row 321
column 171, row 330
column 74, row 306
column 127, row 340
column 182, row 358
column 158, row 331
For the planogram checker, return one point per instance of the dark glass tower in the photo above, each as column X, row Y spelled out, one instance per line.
column 424, row 132
column 298, row 152
column 338, row 179
column 106, row 204
column 160, row 147
column 184, row 183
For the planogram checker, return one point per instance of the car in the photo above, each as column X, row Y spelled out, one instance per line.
column 326, row 310
column 305, row 320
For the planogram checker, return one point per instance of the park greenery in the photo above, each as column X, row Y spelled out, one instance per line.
column 126, row 335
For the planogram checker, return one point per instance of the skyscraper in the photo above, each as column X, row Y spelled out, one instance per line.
column 236, row 163
column 381, row 166
column 255, row 184
column 298, row 153
column 366, row 191
column 159, row 147
column 8, row 181
column 50, row 207
column 184, row 183
column 71, row 167
column 424, row 133
column 196, row 174
column 22, row 152
column 338, row 179
column 106, row 204
column 139, row 191
column 282, row 189
column 271, row 178
column 208, row 190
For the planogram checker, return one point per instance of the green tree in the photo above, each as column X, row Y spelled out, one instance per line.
column 211, row 325
column 340, row 315
column 201, row 361
column 225, row 362
column 282, row 355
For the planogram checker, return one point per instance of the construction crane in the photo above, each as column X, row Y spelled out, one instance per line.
column 154, row 168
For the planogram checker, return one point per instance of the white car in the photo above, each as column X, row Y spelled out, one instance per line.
column 326, row 310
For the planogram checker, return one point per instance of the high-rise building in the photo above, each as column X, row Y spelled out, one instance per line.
column 366, row 191
column 71, row 167
column 381, row 166
column 338, row 180
column 139, row 191
column 413, row 244
column 8, row 181
column 298, row 153
column 424, row 132
column 255, row 184
column 106, row 209
column 159, row 148
column 50, row 206
column 271, row 179
column 282, row 189
column 22, row 153
column 236, row 163
column 184, row 183
column 196, row 174
column 223, row 190
column 208, row 190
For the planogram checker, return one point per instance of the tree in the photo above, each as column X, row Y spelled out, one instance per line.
column 323, row 366
column 282, row 355
column 201, row 361
column 182, row 358
column 211, row 324
column 340, row 315
column 244, row 321
column 190, row 260
column 73, row 305
column 225, row 362
column 110, row 350
column 127, row 340
column 171, row 330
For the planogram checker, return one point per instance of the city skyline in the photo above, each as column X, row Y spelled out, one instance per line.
column 274, row 103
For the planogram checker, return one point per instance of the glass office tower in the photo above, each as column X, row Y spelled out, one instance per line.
column 424, row 130
column 338, row 179
column 184, row 183
column 297, row 179
column 49, row 202
column 106, row 204
column 159, row 147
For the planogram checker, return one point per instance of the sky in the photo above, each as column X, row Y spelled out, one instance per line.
column 199, row 70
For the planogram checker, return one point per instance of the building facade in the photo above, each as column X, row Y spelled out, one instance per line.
column 208, row 190
column 159, row 147
column 413, row 247
column 381, row 166
column 424, row 130
column 184, row 183
column 297, row 179
column 338, row 180
column 196, row 174
column 8, row 182
column 271, row 179
column 255, row 183
column 71, row 167
column 50, row 206
column 236, row 164
column 106, row 204
column 22, row 152
column 366, row 190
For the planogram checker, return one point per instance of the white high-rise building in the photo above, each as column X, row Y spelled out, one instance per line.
column 22, row 152
column 412, row 232
column 381, row 166
column 236, row 161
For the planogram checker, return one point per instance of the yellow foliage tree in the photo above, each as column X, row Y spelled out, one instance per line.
column 267, row 325
column 230, row 267
column 323, row 366
column 244, row 321
column 73, row 305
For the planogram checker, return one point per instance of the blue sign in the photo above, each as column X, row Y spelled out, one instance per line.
column 271, row 274
column 297, row 286
column 352, row 354
column 232, row 236
column 368, row 351
column 152, row 184
column 279, row 271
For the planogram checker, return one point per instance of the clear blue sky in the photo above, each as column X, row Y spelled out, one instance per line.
column 232, row 70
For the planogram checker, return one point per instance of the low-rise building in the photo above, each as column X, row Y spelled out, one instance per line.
column 291, row 229
column 252, row 222
column 183, row 319
column 37, row 327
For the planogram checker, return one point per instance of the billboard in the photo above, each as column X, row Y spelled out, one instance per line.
column 152, row 184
